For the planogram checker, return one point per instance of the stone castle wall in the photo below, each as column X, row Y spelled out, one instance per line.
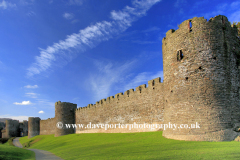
column 47, row 126
column 144, row 105
column 201, row 62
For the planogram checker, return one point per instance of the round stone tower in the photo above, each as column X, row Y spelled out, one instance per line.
column 33, row 126
column 64, row 114
column 201, row 80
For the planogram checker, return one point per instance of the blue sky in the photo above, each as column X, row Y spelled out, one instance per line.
column 82, row 51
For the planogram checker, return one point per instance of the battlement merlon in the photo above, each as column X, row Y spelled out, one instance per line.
column 111, row 98
column 153, row 82
column 128, row 92
column 141, row 88
column 89, row 105
column 118, row 95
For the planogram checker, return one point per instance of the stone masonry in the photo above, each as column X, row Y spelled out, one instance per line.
column 201, row 62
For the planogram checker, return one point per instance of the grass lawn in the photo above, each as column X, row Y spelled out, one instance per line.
column 8, row 152
column 145, row 145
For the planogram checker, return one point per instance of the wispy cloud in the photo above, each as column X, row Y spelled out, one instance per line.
column 20, row 118
column 41, row 112
column 75, row 2
column 90, row 36
column 31, row 13
column 29, row 86
column 46, row 103
column 144, row 42
column 180, row 3
column 107, row 75
column 31, row 95
column 26, row 2
column 142, row 78
column 2, row 66
column 235, row 17
column 4, row 5
column 141, row 37
column 68, row 15
column 23, row 103
column 152, row 29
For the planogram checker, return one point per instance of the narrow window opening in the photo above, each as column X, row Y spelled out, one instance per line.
column 179, row 55
column 128, row 93
column 200, row 68
column 190, row 26
column 186, row 78
column 153, row 82
column 140, row 89
column 172, row 91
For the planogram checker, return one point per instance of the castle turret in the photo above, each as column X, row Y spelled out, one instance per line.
column 12, row 128
column 201, row 79
column 33, row 126
column 64, row 114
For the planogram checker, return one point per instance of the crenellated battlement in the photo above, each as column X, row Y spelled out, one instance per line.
column 58, row 103
column 197, row 24
column 127, row 94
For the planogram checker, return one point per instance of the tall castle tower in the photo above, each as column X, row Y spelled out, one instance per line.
column 64, row 114
column 201, row 79
column 33, row 126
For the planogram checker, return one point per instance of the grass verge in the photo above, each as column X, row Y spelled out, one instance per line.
column 145, row 145
column 8, row 152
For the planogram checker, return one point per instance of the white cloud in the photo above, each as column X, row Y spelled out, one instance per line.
column 68, row 15
column 143, row 78
column 90, row 36
column 32, row 95
column 29, row 86
column 5, row 5
column 108, row 74
column 20, row 118
column 41, row 112
column 23, row 103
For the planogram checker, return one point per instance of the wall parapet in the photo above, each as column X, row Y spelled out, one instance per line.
column 152, row 84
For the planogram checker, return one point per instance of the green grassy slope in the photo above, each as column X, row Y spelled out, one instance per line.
column 146, row 145
column 8, row 152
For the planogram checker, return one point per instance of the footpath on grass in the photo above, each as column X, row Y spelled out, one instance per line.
column 40, row 154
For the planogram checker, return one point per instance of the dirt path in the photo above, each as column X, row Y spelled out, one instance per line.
column 40, row 154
